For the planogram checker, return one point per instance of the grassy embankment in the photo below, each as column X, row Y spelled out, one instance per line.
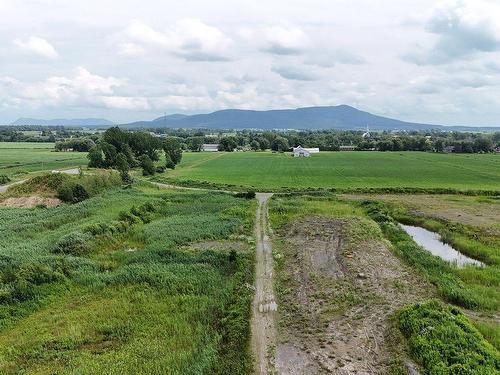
column 441, row 340
column 392, row 171
column 108, row 285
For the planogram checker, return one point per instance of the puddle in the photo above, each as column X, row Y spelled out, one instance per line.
column 432, row 243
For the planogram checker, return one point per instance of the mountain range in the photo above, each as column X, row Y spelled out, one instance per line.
column 64, row 122
column 342, row 117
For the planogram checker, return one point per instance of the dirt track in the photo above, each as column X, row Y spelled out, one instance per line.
column 264, row 305
column 338, row 290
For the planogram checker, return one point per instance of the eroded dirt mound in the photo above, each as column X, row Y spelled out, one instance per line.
column 30, row 202
column 338, row 289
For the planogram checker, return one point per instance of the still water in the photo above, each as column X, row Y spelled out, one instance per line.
column 432, row 242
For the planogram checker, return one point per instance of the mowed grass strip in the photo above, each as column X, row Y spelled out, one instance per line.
column 263, row 170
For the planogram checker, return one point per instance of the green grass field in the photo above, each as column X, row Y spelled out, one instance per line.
column 19, row 158
column 265, row 170
column 133, row 297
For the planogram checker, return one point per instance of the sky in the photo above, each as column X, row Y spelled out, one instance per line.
column 414, row 60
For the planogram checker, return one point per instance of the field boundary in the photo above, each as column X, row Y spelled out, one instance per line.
column 207, row 185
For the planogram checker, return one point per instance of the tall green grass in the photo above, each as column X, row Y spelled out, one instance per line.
column 161, row 308
column 444, row 342
column 470, row 287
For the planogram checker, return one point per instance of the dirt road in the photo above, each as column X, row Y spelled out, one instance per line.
column 264, row 305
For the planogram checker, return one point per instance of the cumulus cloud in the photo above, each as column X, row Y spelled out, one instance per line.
column 81, row 88
column 328, row 59
column 277, row 39
column 463, row 27
column 131, row 49
column 188, row 38
column 37, row 46
column 295, row 73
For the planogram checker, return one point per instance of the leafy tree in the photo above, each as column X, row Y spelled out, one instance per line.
column 439, row 145
column 143, row 143
column 483, row 144
column 280, row 144
column 96, row 157
column 168, row 162
column 227, row 144
column 264, row 143
column 116, row 137
column 172, row 148
column 385, row 145
column 194, row 143
column 255, row 145
column 147, row 165
column 123, row 167
column 109, row 154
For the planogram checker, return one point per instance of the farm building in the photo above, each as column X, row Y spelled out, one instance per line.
column 304, row 152
column 210, row 147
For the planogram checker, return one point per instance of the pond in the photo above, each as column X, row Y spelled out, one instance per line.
column 431, row 242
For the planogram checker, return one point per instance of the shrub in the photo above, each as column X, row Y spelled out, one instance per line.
column 79, row 193
column 65, row 193
column 4, row 179
column 128, row 217
column 444, row 341
column 72, row 193
column 75, row 243
column 246, row 195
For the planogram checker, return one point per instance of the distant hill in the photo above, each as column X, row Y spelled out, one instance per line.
column 333, row 117
column 64, row 122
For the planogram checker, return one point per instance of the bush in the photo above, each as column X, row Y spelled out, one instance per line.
column 72, row 193
column 74, row 190
column 444, row 341
column 75, row 243
column 246, row 195
column 4, row 179
column 79, row 193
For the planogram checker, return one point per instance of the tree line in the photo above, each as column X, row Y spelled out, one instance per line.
column 123, row 150
column 332, row 140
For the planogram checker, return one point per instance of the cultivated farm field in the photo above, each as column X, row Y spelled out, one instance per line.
column 274, row 171
column 23, row 157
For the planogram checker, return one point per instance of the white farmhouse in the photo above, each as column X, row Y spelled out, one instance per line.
column 210, row 147
column 304, row 152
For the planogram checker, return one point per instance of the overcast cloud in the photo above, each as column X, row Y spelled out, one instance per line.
column 425, row 61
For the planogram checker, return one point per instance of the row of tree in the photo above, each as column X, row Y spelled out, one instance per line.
column 333, row 140
column 75, row 144
column 123, row 150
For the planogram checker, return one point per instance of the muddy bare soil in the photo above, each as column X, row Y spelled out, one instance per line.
column 29, row 202
column 338, row 294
